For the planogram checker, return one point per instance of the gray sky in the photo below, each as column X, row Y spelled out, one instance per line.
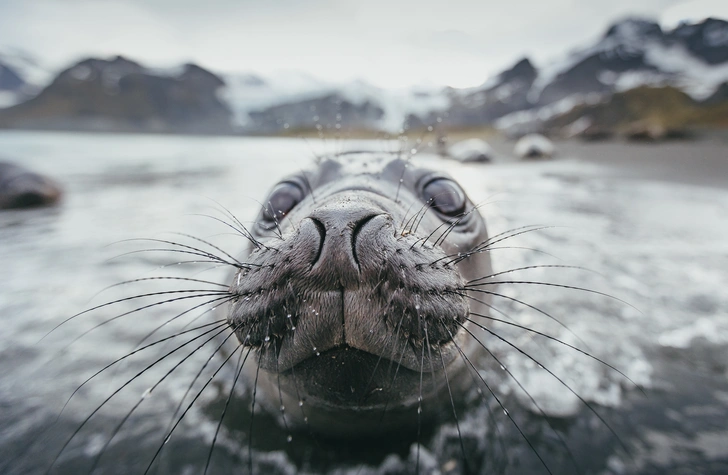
column 387, row 42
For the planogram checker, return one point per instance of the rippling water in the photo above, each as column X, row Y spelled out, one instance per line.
column 661, row 247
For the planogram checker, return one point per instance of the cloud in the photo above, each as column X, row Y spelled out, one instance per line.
column 458, row 42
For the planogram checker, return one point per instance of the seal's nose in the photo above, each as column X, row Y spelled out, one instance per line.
column 339, row 227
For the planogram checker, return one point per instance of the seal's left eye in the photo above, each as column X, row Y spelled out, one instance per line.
column 445, row 196
column 284, row 197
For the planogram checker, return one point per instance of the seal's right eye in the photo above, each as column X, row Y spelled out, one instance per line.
column 445, row 196
column 284, row 197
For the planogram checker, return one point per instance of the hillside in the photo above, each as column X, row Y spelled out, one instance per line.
column 121, row 95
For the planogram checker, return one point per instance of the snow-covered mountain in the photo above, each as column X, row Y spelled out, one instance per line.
column 298, row 101
column 21, row 77
column 631, row 53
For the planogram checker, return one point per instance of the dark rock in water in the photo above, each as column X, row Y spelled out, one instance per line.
column 121, row 95
column 471, row 150
column 534, row 146
column 646, row 131
column 21, row 188
column 596, row 134
column 324, row 113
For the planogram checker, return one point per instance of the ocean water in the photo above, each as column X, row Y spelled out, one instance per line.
column 659, row 250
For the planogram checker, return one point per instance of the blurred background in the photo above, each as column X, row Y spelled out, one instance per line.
column 134, row 119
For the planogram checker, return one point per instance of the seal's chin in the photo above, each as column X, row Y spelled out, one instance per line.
column 346, row 377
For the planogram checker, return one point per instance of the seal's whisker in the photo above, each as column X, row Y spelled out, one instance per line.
column 139, row 309
column 125, row 299
column 181, row 245
column 500, row 403
column 128, row 382
column 482, row 245
column 532, row 307
column 415, row 218
column 197, row 396
column 240, row 365
column 540, row 365
column 516, row 269
column 210, row 258
column 406, row 217
column 194, row 380
column 453, row 223
column 216, row 325
column 557, row 340
column 454, row 412
column 217, row 248
column 307, row 182
column 551, row 284
column 252, row 412
column 539, row 251
column 242, row 229
column 423, row 323
column 525, row 391
column 505, row 236
column 142, row 279
column 187, row 249
column 301, row 404
column 220, row 300
column 280, row 393
column 398, row 364
column 139, row 402
column 419, row 408
column 472, row 371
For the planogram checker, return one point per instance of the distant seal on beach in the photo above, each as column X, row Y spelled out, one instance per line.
column 22, row 188
column 355, row 295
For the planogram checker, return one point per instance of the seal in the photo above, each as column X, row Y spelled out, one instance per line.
column 353, row 294
column 21, row 188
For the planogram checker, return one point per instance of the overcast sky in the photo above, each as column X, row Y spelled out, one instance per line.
column 391, row 43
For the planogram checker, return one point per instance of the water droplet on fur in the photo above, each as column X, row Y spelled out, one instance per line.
column 267, row 338
column 293, row 327
column 505, row 411
column 289, row 438
column 417, row 307
column 503, row 367
column 283, row 408
column 419, row 410
column 288, row 316
column 300, row 403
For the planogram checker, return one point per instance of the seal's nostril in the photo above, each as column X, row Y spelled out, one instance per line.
column 322, row 237
column 355, row 233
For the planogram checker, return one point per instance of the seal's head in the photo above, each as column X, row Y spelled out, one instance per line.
column 351, row 293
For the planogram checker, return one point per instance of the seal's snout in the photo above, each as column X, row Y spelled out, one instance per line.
column 344, row 234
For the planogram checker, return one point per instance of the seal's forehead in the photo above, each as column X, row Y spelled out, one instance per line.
column 364, row 163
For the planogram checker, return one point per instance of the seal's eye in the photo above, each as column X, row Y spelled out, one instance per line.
column 284, row 197
column 445, row 196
